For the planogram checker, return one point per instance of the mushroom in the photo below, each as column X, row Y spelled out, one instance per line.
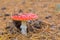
column 24, row 18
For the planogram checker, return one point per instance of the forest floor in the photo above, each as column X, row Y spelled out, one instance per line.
column 46, row 27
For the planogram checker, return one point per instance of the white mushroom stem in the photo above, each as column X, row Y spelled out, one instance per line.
column 23, row 28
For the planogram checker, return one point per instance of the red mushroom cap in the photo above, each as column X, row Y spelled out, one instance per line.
column 29, row 16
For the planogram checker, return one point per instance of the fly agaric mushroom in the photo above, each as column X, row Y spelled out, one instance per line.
column 23, row 18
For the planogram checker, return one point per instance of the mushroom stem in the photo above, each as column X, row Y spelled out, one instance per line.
column 23, row 28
